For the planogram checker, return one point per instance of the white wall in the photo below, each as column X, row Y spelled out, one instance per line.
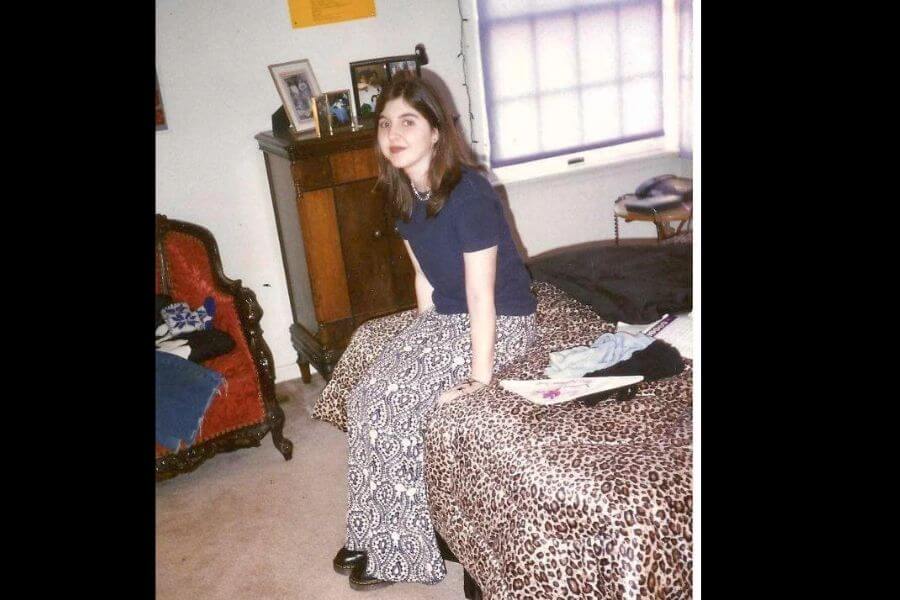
column 212, row 59
column 573, row 208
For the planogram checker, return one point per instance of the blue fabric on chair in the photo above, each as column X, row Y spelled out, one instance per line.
column 184, row 391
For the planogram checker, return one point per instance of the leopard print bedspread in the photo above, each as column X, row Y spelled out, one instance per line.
column 555, row 502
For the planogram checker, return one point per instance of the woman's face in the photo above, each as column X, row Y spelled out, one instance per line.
column 406, row 138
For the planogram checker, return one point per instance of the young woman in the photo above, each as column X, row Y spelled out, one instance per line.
column 475, row 313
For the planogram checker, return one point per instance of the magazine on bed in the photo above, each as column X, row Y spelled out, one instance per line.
column 555, row 391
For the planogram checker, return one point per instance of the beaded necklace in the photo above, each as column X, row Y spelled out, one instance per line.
column 421, row 197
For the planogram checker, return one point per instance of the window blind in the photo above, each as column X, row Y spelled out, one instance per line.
column 564, row 76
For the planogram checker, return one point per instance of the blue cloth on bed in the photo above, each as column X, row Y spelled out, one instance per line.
column 184, row 391
column 605, row 351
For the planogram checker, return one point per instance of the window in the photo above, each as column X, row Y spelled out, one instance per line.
column 564, row 76
column 685, row 33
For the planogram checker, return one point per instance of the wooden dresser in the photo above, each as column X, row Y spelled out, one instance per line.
column 344, row 261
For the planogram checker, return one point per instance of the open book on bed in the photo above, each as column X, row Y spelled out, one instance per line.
column 555, row 391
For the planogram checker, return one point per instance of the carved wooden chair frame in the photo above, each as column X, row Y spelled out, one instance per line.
column 250, row 313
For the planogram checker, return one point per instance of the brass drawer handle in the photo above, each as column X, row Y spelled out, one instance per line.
column 377, row 234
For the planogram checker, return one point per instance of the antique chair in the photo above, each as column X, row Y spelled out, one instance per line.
column 189, row 269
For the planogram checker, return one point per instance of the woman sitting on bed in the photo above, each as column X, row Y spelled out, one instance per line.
column 475, row 313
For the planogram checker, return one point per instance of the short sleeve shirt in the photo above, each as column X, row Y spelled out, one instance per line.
column 472, row 219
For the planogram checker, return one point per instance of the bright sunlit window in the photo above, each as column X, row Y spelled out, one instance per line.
column 565, row 76
column 685, row 34
column 569, row 82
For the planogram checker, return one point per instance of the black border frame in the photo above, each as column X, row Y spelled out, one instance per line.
column 384, row 63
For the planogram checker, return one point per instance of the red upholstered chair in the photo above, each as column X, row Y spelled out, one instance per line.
column 189, row 269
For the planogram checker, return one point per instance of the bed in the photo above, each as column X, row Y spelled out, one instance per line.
column 553, row 502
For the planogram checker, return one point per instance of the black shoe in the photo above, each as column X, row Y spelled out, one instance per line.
column 360, row 581
column 345, row 560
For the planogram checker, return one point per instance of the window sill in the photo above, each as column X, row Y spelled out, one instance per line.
column 601, row 158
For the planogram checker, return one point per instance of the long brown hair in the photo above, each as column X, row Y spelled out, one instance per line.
column 450, row 153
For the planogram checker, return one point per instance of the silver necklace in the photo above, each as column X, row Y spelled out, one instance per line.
column 421, row 197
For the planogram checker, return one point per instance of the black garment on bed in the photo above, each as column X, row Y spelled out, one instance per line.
column 207, row 343
column 634, row 284
column 656, row 361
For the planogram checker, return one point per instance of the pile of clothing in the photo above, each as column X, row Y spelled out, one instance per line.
column 184, row 388
column 611, row 366
column 631, row 350
column 189, row 333
column 619, row 353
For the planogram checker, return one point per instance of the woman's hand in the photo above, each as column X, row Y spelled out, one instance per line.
column 458, row 391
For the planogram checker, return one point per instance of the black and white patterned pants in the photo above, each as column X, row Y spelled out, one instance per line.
column 387, row 506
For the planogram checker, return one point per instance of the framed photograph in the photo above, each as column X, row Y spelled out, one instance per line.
column 320, row 115
column 297, row 86
column 339, row 110
column 410, row 65
column 368, row 77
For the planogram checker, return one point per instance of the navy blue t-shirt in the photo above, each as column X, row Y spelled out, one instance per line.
column 472, row 219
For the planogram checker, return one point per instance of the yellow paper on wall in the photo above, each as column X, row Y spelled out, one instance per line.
column 308, row 13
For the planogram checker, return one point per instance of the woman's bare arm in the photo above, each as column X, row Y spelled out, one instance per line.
column 481, row 272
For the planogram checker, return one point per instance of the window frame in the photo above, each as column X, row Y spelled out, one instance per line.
column 547, row 164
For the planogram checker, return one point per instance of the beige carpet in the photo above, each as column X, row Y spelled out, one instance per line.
column 248, row 524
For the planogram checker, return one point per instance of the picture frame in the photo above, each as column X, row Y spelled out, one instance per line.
column 297, row 86
column 320, row 114
column 404, row 64
column 368, row 77
column 339, row 106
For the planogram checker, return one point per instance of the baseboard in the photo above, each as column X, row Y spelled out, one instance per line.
column 289, row 371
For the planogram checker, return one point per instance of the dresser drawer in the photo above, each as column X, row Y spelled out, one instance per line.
column 354, row 165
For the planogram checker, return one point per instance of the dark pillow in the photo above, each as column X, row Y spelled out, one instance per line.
column 634, row 284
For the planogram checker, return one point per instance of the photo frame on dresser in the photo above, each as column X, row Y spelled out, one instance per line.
column 297, row 86
column 320, row 115
column 339, row 110
column 368, row 77
column 405, row 64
